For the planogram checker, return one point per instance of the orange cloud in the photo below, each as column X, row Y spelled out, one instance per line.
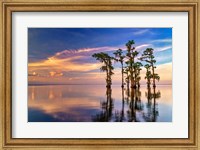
column 55, row 74
column 65, row 64
column 65, row 61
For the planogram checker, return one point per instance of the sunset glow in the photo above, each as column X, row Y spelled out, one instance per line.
column 100, row 75
column 70, row 61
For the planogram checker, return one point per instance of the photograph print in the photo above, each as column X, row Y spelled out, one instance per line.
column 100, row 75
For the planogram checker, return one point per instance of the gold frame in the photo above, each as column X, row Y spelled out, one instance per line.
column 9, row 6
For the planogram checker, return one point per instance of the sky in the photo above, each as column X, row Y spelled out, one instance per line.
column 64, row 55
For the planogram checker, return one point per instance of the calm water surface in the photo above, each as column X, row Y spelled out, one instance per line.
column 95, row 103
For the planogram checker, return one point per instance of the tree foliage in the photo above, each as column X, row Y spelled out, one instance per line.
column 107, row 67
column 119, row 57
column 148, row 57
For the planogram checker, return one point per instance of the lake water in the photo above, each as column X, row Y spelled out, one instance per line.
column 95, row 103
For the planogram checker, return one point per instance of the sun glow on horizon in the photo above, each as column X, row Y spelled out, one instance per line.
column 65, row 70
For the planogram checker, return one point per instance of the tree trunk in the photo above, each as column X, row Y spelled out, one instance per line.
column 154, row 104
column 131, row 71
column 107, row 76
column 148, row 83
column 122, row 76
column 127, row 81
column 135, row 84
column 154, row 84
column 132, row 81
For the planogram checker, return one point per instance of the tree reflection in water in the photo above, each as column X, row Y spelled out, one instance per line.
column 107, row 107
column 135, row 105
column 152, row 107
column 119, row 115
column 132, row 107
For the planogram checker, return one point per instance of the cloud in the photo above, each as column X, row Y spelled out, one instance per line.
column 66, row 64
column 68, row 61
column 142, row 46
column 143, row 31
column 162, row 41
column 140, row 32
column 68, row 53
column 163, row 59
column 160, row 49
column 72, row 66
column 55, row 74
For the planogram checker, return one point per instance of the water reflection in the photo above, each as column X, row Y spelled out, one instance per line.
column 107, row 108
column 152, row 105
column 135, row 105
column 78, row 103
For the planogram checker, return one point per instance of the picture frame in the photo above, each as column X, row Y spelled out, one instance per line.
column 10, row 6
